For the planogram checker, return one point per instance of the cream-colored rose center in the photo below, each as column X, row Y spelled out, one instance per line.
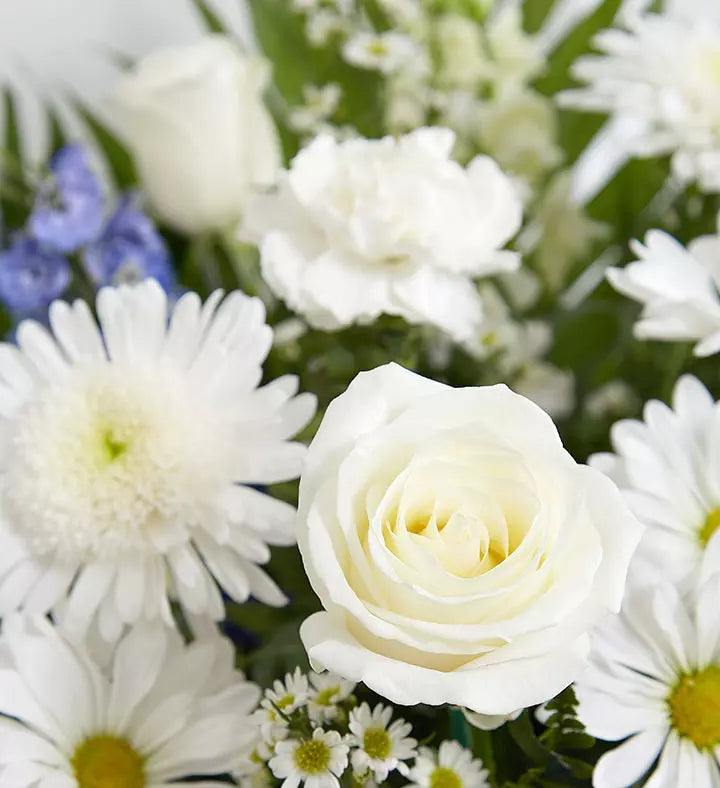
column 695, row 707
column 107, row 762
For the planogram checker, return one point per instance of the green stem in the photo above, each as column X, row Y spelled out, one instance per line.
column 460, row 728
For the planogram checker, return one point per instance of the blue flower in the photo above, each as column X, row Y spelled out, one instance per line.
column 31, row 275
column 129, row 249
column 68, row 209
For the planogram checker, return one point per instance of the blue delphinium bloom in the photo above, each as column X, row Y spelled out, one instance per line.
column 129, row 249
column 68, row 210
column 31, row 275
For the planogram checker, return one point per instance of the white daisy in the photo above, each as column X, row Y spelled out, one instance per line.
column 385, row 52
column 452, row 767
column 382, row 746
column 126, row 452
column 668, row 468
column 161, row 711
column 654, row 682
column 288, row 695
column 328, row 690
column 317, row 762
column 661, row 76
column 678, row 288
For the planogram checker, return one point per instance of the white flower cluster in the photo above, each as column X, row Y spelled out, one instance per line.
column 654, row 676
column 444, row 65
column 312, row 732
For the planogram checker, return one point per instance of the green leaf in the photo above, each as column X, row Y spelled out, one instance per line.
column 117, row 157
column 209, row 18
column 280, row 32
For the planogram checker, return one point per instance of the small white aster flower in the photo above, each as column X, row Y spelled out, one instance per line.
column 319, row 104
column 382, row 746
column 452, row 767
column 126, row 454
column 317, row 762
column 678, row 288
column 328, row 689
column 159, row 712
column 668, row 469
column 342, row 242
column 662, row 74
column 653, row 682
column 384, row 52
column 288, row 695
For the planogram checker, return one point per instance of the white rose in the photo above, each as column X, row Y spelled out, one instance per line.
column 461, row 555
column 201, row 136
column 363, row 227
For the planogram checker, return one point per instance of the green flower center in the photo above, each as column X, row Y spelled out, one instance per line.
column 711, row 524
column 376, row 743
column 107, row 762
column 325, row 697
column 695, row 707
column 286, row 701
column 443, row 777
column 113, row 447
column 312, row 757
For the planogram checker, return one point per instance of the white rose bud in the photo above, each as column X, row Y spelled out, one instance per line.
column 200, row 133
column 460, row 553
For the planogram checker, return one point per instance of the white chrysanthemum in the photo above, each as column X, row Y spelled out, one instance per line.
column 126, row 452
column 328, row 690
column 317, row 762
column 661, row 73
column 654, row 682
column 159, row 712
column 452, row 767
column 668, row 469
column 678, row 288
column 369, row 227
column 382, row 746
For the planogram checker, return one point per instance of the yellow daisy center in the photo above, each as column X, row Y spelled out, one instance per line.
column 325, row 697
column 107, row 762
column 286, row 701
column 443, row 777
column 695, row 707
column 711, row 524
column 312, row 757
column 376, row 743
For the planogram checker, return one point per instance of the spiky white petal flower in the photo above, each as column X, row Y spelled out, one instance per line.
column 668, row 469
column 678, row 288
column 317, row 762
column 453, row 766
column 159, row 712
column 654, row 684
column 127, row 455
column 662, row 74
column 288, row 695
column 382, row 746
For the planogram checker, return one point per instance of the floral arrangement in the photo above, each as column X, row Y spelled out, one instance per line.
column 357, row 405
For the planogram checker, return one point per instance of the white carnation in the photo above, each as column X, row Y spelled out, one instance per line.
column 368, row 227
